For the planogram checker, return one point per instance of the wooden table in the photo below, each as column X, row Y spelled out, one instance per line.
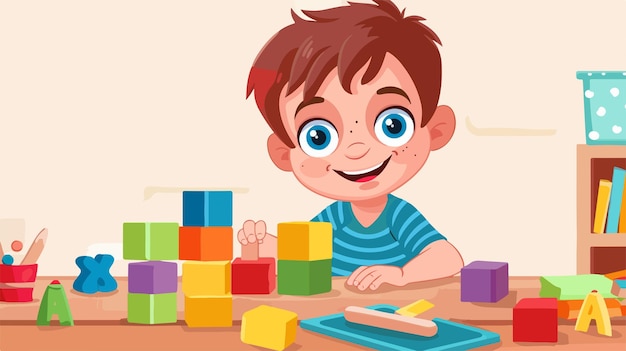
column 100, row 321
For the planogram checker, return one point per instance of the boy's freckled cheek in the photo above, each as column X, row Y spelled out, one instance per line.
column 409, row 154
column 403, row 153
column 314, row 167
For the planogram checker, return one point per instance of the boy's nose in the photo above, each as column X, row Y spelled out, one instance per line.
column 355, row 151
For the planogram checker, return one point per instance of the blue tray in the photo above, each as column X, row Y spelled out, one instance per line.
column 450, row 335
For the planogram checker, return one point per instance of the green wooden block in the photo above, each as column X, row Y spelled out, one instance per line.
column 152, row 308
column 304, row 277
column 150, row 241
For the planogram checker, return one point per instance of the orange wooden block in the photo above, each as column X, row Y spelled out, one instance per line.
column 205, row 243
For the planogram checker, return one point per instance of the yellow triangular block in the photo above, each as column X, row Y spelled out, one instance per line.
column 594, row 307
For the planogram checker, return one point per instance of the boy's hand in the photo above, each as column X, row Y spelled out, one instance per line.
column 373, row 277
column 252, row 232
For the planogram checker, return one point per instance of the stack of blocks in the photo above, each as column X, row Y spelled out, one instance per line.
column 152, row 283
column 206, row 246
column 484, row 281
column 305, row 252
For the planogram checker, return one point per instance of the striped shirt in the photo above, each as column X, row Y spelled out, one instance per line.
column 398, row 235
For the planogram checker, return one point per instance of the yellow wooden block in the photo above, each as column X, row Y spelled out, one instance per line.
column 206, row 278
column 209, row 311
column 269, row 327
column 305, row 241
column 594, row 307
column 417, row 307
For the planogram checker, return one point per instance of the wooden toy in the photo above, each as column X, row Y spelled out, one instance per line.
column 206, row 278
column 594, row 307
column 269, row 327
column 484, row 281
column 535, row 320
column 150, row 241
column 209, row 311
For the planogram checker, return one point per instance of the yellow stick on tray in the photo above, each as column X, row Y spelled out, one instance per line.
column 417, row 307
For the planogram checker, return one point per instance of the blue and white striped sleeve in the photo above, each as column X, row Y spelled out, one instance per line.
column 412, row 229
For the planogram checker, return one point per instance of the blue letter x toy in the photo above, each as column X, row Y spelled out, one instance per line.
column 94, row 274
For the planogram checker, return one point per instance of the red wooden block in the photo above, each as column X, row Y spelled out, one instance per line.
column 16, row 295
column 536, row 320
column 253, row 277
column 18, row 273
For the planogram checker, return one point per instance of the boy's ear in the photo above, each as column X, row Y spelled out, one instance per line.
column 279, row 152
column 441, row 127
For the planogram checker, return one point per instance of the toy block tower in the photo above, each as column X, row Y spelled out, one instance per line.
column 305, row 252
column 152, row 282
column 206, row 246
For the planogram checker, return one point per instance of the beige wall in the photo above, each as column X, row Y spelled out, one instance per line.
column 101, row 99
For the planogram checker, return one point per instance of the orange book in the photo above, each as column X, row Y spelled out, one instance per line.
column 569, row 309
column 621, row 274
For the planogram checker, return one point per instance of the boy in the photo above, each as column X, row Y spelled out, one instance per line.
column 351, row 98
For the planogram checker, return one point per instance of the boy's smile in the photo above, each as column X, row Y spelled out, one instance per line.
column 364, row 175
column 356, row 145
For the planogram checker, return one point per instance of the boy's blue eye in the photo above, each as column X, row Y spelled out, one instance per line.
column 318, row 138
column 394, row 126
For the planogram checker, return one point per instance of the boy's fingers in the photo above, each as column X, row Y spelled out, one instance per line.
column 354, row 274
column 241, row 237
column 260, row 229
column 368, row 279
column 248, row 228
column 364, row 274
column 376, row 283
column 251, row 238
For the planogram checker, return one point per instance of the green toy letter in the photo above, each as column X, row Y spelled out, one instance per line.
column 54, row 301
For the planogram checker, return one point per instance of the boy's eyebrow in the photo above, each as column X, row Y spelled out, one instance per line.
column 314, row 100
column 392, row 90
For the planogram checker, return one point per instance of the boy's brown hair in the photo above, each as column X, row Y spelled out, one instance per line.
column 345, row 38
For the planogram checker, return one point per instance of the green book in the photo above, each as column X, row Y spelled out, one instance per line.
column 575, row 287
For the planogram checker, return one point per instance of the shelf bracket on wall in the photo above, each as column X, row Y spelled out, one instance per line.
column 149, row 191
column 506, row 131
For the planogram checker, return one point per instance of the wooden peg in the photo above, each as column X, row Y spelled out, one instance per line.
column 250, row 252
column 36, row 248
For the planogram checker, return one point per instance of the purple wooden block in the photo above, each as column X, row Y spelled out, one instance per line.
column 152, row 277
column 484, row 281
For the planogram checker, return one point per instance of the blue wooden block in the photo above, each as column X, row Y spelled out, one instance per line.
column 207, row 208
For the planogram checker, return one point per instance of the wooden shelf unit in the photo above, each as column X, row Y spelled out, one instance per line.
column 595, row 162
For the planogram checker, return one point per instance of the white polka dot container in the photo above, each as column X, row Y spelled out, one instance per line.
column 604, row 93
